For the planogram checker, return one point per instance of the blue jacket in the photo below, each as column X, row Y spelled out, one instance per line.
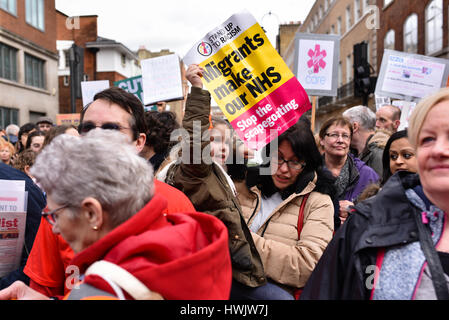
column 36, row 203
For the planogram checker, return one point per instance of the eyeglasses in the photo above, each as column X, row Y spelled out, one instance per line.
column 51, row 216
column 85, row 127
column 335, row 136
column 292, row 164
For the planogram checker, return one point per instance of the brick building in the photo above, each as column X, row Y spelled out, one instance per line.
column 415, row 26
column 104, row 59
column 28, row 61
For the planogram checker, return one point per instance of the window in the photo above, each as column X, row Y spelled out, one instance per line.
column 389, row 40
column 35, row 13
column 8, row 62
column 66, row 81
column 123, row 58
column 365, row 5
column 8, row 116
column 434, row 26
column 357, row 10
column 326, row 5
column 411, row 34
column 349, row 68
column 340, row 74
column 9, row 5
column 348, row 18
column 34, row 71
column 339, row 25
column 320, row 12
column 333, row 29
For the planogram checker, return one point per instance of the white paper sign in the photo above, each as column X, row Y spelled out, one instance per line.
column 410, row 76
column 161, row 79
column 90, row 88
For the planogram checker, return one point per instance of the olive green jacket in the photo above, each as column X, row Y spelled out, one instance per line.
column 211, row 191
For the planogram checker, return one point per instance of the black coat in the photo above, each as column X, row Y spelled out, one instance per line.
column 36, row 203
column 386, row 220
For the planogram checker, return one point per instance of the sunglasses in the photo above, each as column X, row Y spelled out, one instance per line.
column 85, row 127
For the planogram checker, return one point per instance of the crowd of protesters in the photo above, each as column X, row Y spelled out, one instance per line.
column 129, row 211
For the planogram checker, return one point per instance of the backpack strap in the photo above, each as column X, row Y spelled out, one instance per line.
column 301, row 214
column 123, row 279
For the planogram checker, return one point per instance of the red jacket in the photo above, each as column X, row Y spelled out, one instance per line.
column 180, row 256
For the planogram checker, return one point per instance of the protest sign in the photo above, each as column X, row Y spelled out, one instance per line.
column 410, row 77
column 132, row 85
column 316, row 63
column 12, row 224
column 90, row 88
column 68, row 119
column 161, row 79
column 250, row 82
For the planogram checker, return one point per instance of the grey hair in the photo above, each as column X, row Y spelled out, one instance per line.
column 12, row 129
column 102, row 164
column 363, row 115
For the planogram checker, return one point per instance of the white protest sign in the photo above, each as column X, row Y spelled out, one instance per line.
column 161, row 79
column 410, row 77
column 316, row 63
column 12, row 224
column 90, row 88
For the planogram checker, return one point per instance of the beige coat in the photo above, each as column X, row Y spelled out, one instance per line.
column 287, row 260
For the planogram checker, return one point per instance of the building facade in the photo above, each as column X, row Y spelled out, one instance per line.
column 104, row 59
column 415, row 26
column 28, row 61
column 353, row 21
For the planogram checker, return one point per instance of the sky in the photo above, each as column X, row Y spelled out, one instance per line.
column 177, row 24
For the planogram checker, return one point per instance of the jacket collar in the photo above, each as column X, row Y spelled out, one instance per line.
column 389, row 215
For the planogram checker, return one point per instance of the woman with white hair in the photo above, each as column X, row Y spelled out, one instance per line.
column 395, row 246
column 101, row 199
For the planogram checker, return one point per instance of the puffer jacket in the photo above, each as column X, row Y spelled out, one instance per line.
column 211, row 191
column 287, row 260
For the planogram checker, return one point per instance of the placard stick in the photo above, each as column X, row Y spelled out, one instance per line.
column 313, row 114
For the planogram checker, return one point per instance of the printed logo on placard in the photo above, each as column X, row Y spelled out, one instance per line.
column 204, row 49
column 317, row 59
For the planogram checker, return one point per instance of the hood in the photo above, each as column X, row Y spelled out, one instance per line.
column 180, row 256
column 380, row 138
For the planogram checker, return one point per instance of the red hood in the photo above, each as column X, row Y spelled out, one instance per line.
column 181, row 256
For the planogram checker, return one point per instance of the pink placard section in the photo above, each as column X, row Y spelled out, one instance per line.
column 271, row 116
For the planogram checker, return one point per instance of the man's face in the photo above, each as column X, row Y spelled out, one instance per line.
column 102, row 112
column 44, row 126
column 384, row 119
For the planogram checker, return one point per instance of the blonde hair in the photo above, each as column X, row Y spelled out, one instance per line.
column 420, row 112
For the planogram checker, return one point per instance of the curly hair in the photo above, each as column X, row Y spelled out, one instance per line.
column 160, row 126
column 25, row 158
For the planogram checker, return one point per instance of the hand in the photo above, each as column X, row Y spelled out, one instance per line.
column 344, row 208
column 194, row 74
column 20, row 291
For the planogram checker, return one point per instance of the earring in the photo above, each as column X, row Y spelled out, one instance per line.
column 95, row 228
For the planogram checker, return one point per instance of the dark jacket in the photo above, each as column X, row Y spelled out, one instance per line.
column 374, row 149
column 382, row 221
column 36, row 203
column 208, row 189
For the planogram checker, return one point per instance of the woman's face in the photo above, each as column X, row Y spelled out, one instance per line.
column 75, row 230
column 402, row 156
column 336, row 141
column 285, row 166
column 24, row 137
column 5, row 154
column 220, row 137
column 36, row 143
column 433, row 151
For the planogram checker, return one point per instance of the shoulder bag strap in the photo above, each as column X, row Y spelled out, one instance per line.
column 301, row 214
column 433, row 260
